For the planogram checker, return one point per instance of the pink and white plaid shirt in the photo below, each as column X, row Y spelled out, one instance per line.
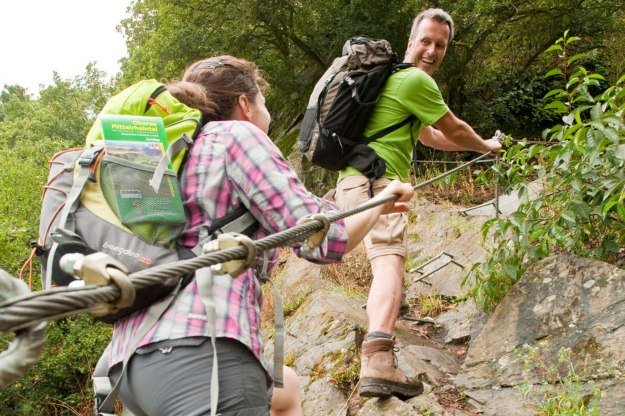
column 233, row 163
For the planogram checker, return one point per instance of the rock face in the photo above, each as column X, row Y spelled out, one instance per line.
column 562, row 303
column 471, row 363
column 321, row 345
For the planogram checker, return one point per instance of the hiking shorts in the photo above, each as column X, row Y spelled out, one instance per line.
column 388, row 235
column 176, row 381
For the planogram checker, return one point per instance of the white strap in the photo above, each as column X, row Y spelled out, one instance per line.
column 237, row 225
column 204, row 279
column 174, row 147
column 278, row 344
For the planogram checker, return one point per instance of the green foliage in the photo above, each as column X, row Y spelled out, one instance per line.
column 63, row 111
column 292, row 41
column 286, row 144
column 565, row 395
column 23, row 174
column 580, row 166
column 491, row 74
column 510, row 101
column 31, row 131
column 60, row 383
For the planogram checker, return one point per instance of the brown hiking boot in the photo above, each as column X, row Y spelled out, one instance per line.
column 379, row 374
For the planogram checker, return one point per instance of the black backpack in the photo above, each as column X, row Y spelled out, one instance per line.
column 341, row 104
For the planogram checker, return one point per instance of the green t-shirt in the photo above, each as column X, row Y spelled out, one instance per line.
column 408, row 91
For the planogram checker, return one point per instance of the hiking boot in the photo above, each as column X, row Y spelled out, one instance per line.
column 379, row 374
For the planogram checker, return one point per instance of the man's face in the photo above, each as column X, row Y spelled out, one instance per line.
column 427, row 49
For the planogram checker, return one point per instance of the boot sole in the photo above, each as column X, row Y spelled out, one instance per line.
column 378, row 387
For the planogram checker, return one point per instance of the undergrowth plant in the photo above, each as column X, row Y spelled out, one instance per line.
column 562, row 391
column 466, row 187
column 580, row 168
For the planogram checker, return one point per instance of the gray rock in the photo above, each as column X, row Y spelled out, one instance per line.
column 462, row 323
column 323, row 400
column 561, row 302
column 445, row 362
column 391, row 406
column 427, row 404
column 465, row 251
column 500, row 401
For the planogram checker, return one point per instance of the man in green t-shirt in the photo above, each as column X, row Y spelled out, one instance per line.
column 408, row 92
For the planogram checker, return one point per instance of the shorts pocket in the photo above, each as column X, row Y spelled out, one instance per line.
column 352, row 191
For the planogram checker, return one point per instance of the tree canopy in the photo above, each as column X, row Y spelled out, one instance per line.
column 491, row 75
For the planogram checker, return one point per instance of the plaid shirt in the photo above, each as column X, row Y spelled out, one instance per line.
column 233, row 163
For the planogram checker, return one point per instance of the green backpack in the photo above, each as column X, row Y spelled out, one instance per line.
column 99, row 201
column 151, row 98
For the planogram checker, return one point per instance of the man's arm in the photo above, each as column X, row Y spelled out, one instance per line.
column 455, row 134
column 433, row 138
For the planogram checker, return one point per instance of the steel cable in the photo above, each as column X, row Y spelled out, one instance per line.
column 27, row 310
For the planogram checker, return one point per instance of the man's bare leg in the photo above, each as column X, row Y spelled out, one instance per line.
column 379, row 374
column 385, row 293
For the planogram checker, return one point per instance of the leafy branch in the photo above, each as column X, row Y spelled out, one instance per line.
column 579, row 208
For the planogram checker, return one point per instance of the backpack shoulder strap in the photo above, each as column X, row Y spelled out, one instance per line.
column 238, row 221
column 67, row 222
column 409, row 119
column 180, row 144
column 402, row 65
column 390, row 129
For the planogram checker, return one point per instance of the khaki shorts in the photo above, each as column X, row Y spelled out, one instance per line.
column 388, row 235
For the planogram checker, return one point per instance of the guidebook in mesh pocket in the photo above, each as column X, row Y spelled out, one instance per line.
column 138, row 139
column 134, row 147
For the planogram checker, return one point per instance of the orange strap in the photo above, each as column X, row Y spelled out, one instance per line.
column 152, row 101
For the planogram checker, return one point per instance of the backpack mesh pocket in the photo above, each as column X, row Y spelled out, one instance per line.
column 155, row 217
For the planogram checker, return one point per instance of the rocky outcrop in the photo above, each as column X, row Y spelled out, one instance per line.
column 566, row 311
column 470, row 362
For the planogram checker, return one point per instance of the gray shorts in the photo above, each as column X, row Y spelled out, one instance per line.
column 175, row 381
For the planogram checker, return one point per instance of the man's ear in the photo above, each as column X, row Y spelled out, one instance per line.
column 243, row 107
column 409, row 46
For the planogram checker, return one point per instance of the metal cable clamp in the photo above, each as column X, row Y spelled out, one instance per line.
column 317, row 238
column 230, row 240
column 100, row 269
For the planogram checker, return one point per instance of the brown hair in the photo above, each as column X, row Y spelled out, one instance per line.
column 214, row 85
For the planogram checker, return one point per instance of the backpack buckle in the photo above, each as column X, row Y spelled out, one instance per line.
column 89, row 156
